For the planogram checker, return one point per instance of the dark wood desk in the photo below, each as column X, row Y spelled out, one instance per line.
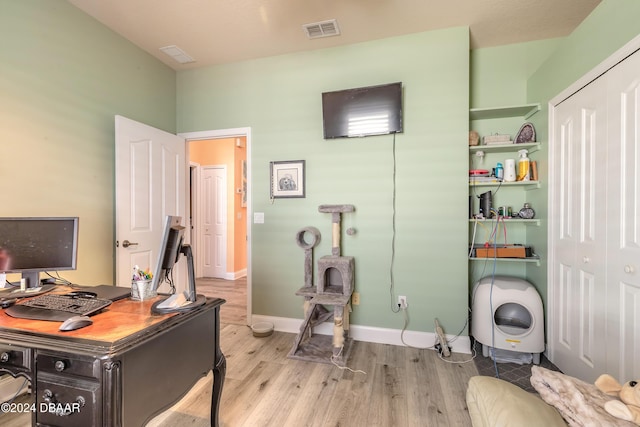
column 122, row 370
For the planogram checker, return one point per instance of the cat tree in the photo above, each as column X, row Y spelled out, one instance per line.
column 334, row 288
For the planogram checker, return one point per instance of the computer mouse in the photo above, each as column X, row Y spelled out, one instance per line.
column 75, row 322
column 6, row 303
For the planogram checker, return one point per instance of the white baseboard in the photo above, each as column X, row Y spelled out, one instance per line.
column 235, row 275
column 461, row 344
column 10, row 387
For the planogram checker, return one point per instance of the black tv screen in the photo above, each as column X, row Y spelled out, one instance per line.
column 372, row 110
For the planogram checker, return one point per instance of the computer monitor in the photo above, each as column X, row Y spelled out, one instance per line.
column 30, row 245
column 171, row 247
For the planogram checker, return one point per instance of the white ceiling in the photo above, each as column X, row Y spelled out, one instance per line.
column 222, row 31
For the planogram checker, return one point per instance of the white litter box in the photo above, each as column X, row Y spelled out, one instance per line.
column 507, row 314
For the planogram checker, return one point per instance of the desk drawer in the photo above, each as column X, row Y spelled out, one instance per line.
column 13, row 357
column 68, row 365
column 62, row 401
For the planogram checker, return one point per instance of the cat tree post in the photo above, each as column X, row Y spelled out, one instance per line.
column 336, row 212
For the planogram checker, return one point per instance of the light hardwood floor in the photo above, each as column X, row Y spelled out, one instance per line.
column 233, row 291
column 402, row 386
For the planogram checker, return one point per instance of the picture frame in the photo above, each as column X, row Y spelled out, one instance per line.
column 287, row 179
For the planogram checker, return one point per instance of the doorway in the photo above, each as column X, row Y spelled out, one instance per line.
column 229, row 148
column 213, row 225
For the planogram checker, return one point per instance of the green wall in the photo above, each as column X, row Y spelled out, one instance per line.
column 63, row 77
column 499, row 78
column 280, row 99
column 536, row 72
column 609, row 27
column 499, row 74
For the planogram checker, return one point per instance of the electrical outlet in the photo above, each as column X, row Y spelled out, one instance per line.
column 402, row 302
column 355, row 298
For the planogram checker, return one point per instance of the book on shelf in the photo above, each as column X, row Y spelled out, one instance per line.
column 483, row 179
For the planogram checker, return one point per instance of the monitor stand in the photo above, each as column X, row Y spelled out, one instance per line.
column 31, row 278
column 185, row 301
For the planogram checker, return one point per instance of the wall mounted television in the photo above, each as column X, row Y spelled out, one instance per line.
column 364, row 111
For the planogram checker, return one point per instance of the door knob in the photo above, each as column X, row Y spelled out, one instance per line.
column 629, row 269
column 126, row 244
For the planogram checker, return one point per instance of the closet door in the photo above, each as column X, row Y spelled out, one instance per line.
column 623, row 258
column 577, row 218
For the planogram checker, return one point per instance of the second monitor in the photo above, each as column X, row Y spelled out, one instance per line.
column 171, row 248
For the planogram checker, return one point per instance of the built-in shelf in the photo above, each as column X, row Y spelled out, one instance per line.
column 528, row 185
column 534, row 259
column 525, row 111
column 535, row 222
column 531, row 147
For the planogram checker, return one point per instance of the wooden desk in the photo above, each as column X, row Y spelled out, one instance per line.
column 122, row 370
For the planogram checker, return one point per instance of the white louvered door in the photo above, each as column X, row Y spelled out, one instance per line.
column 623, row 258
column 594, row 227
column 578, row 230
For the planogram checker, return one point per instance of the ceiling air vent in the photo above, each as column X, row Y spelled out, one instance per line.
column 177, row 54
column 322, row 29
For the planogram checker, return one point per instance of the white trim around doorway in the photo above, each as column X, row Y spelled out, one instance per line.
column 230, row 133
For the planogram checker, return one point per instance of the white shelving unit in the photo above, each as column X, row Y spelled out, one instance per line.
column 524, row 111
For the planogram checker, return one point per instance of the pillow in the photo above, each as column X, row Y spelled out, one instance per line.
column 580, row 403
column 494, row 403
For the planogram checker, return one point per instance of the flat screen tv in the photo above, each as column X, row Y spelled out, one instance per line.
column 365, row 111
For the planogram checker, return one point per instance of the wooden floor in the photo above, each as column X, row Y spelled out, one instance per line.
column 402, row 386
column 233, row 291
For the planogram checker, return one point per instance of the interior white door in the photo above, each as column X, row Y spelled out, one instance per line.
column 214, row 221
column 150, row 184
column 578, row 233
column 623, row 259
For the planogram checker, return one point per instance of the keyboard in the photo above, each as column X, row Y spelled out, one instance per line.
column 57, row 307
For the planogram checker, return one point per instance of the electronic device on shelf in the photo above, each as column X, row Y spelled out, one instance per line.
column 55, row 307
column 30, row 245
column 171, row 248
column 372, row 110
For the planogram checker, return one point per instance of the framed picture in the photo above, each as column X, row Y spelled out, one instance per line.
column 287, row 179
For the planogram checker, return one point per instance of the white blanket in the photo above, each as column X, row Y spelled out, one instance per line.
column 580, row 404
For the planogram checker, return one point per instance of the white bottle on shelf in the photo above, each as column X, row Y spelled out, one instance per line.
column 509, row 170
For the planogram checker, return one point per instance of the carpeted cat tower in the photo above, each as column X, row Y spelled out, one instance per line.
column 334, row 288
